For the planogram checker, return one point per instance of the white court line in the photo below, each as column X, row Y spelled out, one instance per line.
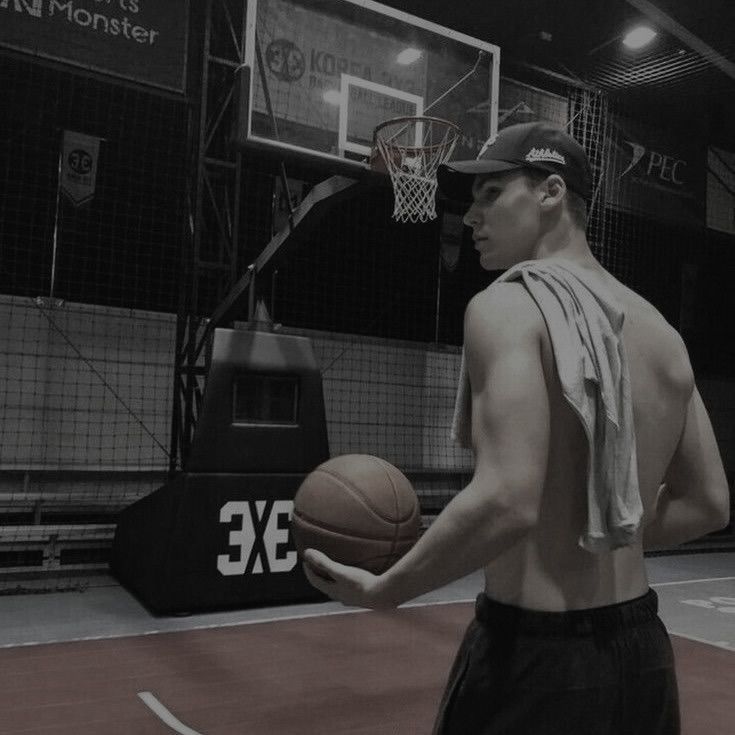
column 165, row 631
column 276, row 618
column 231, row 624
column 163, row 714
column 693, row 581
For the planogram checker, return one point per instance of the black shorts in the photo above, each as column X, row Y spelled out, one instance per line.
column 605, row 671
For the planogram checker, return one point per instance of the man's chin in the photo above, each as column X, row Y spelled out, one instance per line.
column 491, row 262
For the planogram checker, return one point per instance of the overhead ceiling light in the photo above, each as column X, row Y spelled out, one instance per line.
column 639, row 37
column 408, row 56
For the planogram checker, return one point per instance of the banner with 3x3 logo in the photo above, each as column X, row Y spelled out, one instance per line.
column 78, row 175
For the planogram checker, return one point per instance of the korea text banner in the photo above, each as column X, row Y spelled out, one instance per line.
column 140, row 40
column 306, row 53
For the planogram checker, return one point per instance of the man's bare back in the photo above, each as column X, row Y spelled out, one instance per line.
column 547, row 569
column 521, row 515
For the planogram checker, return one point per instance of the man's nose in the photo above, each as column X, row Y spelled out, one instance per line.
column 471, row 216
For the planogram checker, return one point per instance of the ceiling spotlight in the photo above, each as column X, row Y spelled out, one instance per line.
column 639, row 37
column 408, row 56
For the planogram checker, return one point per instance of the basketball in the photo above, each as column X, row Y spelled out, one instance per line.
column 357, row 509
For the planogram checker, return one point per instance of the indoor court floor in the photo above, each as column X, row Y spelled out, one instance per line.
column 97, row 663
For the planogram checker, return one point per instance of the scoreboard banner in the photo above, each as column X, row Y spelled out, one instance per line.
column 141, row 40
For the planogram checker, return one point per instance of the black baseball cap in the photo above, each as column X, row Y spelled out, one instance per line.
column 536, row 145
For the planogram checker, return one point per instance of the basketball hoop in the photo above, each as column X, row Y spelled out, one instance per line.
column 411, row 149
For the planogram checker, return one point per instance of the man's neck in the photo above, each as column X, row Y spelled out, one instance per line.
column 571, row 245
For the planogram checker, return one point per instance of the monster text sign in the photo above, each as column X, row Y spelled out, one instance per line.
column 141, row 40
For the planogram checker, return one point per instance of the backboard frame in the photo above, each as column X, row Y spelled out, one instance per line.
column 348, row 152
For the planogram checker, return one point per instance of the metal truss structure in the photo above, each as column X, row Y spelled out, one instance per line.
column 211, row 259
column 209, row 264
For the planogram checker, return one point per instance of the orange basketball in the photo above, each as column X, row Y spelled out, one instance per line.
column 357, row 509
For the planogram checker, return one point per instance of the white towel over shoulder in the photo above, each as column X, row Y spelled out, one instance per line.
column 584, row 323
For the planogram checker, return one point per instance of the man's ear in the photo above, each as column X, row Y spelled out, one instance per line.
column 553, row 190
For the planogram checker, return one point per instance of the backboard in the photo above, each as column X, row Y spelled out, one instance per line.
column 324, row 73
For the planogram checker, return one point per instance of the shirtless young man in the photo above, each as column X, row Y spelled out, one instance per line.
column 565, row 640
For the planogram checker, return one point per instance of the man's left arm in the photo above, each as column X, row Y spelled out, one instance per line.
column 510, row 430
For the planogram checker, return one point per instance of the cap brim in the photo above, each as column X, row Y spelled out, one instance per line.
column 457, row 177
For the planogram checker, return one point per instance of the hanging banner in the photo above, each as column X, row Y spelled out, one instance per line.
column 721, row 190
column 521, row 103
column 79, row 156
column 653, row 173
column 141, row 40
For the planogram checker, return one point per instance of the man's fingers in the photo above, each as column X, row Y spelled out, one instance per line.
column 315, row 558
column 349, row 585
column 318, row 573
column 315, row 579
column 318, row 564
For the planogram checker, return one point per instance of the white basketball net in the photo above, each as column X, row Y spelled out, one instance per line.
column 413, row 149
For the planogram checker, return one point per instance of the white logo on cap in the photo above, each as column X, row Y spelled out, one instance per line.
column 545, row 154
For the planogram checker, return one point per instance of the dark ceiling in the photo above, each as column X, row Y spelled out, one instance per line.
column 690, row 66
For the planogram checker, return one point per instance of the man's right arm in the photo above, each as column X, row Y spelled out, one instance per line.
column 696, row 499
